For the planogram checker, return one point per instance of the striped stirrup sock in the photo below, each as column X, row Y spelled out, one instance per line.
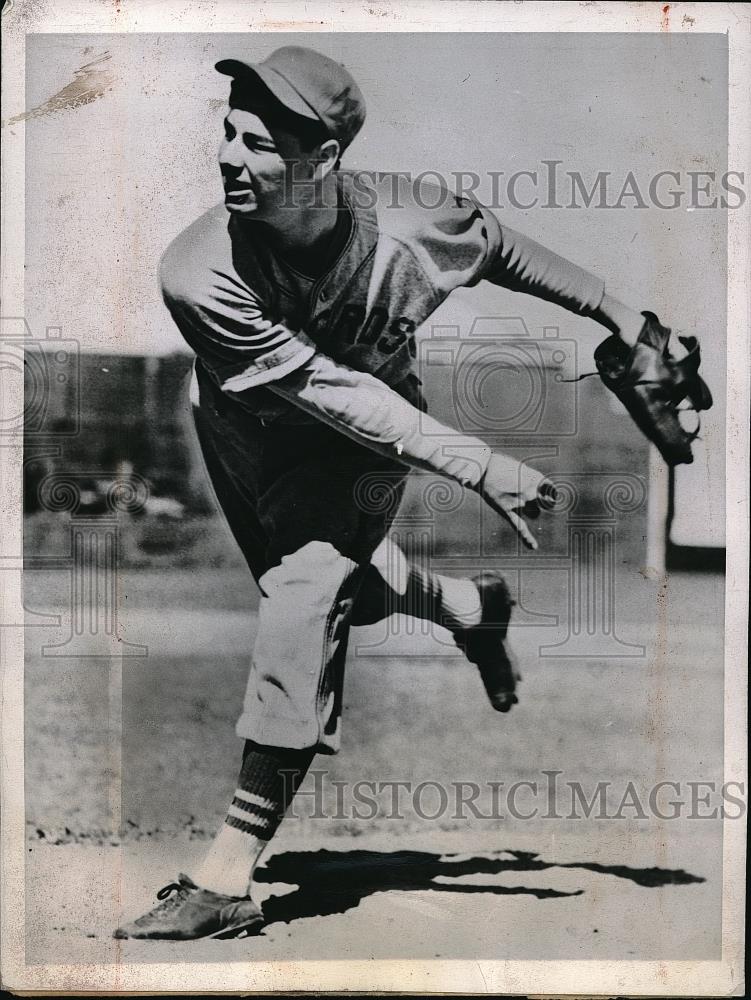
column 269, row 778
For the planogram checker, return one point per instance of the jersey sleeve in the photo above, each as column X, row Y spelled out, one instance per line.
column 229, row 327
column 451, row 238
column 457, row 246
column 459, row 242
column 520, row 264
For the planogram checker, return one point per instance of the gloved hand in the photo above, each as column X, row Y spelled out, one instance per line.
column 652, row 385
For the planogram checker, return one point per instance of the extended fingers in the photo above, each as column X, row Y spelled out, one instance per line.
column 517, row 523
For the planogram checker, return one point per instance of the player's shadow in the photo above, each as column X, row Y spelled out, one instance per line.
column 336, row 881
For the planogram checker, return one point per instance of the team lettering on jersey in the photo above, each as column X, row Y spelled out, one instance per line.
column 374, row 329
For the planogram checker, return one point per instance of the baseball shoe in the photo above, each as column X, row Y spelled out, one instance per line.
column 189, row 913
column 485, row 644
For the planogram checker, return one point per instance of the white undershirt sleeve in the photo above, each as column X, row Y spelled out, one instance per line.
column 368, row 411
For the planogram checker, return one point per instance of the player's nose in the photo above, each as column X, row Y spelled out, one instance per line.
column 230, row 158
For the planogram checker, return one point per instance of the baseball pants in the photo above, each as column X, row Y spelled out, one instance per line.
column 308, row 508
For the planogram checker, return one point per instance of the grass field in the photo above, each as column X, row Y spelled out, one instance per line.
column 130, row 763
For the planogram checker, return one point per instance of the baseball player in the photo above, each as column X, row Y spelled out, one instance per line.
column 300, row 295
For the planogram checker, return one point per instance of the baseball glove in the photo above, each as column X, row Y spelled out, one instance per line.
column 651, row 384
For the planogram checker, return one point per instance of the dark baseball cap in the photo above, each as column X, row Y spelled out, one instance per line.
column 308, row 84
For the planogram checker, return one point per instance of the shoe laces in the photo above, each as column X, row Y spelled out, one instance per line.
column 170, row 901
column 168, row 889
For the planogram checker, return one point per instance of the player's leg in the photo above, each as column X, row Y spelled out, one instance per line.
column 214, row 901
column 319, row 546
column 475, row 610
column 318, row 543
column 395, row 584
column 269, row 776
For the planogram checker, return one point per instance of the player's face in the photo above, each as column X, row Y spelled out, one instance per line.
column 257, row 165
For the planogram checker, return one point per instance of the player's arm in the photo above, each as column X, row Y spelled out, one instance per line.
column 461, row 242
column 523, row 265
column 365, row 409
column 654, row 374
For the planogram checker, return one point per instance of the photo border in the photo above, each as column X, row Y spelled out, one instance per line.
column 700, row 978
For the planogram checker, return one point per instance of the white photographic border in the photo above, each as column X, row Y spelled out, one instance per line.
column 668, row 978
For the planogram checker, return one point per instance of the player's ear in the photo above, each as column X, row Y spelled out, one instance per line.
column 327, row 158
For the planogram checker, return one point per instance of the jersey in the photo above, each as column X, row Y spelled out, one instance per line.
column 252, row 318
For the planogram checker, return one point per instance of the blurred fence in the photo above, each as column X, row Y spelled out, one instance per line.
column 113, row 413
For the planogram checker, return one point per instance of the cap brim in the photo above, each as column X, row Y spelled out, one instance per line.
column 272, row 81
